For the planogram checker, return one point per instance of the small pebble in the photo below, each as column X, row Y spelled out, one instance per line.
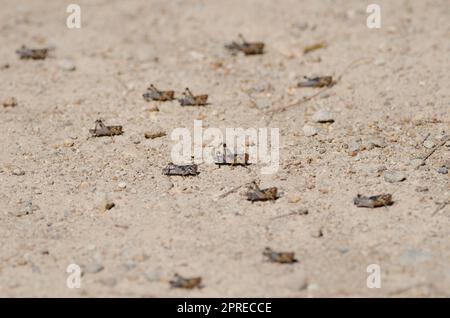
column 309, row 131
column 393, row 176
column 18, row 172
column 428, row 144
column 301, row 211
column 263, row 103
column 373, row 142
column 416, row 163
column 109, row 205
column 421, row 189
column 68, row 143
column 294, row 198
column 153, row 108
column 261, row 87
column 443, row 170
column 317, row 232
column 122, row 185
column 322, row 116
column 9, row 102
column 66, row 65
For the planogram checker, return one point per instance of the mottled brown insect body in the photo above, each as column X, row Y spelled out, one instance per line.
column 321, row 81
column 246, row 47
column 180, row 170
column 187, row 283
column 256, row 194
column 188, row 99
column 32, row 54
column 279, row 257
column 375, row 201
column 101, row 130
column 153, row 94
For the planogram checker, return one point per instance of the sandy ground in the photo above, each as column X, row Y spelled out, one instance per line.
column 54, row 180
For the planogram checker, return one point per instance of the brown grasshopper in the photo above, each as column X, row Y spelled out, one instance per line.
column 32, row 54
column 153, row 93
column 188, row 99
column 256, row 194
column 320, row 81
column 375, row 201
column 101, row 130
column 246, row 47
column 279, row 257
column 180, row 170
column 188, row 283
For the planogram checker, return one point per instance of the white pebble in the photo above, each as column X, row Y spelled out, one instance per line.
column 309, row 131
column 322, row 116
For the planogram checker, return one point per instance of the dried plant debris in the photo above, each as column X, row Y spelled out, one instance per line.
column 180, row 170
column 101, row 130
column 254, row 193
column 375, row 201
column 188, row 99
column 32, row 54
column 319, row 81
column 227, row 158
column 247, row 48
column 153, row 94
column 188, row 283
column 279, row 257
column 314, row 47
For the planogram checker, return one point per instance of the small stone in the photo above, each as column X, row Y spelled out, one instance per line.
column 28, row 209
column 18, row 172
column 354, row 147
column 164, row 185
column 196, row 56
column 294, row 198
column 428, row 144
column 393, row 176
column 260, row 87
column 443, row 170
column 373, row 142
column 263, row 103
column 122, row 185
column 416, row 163
column 68, row 143
column 301, row 211
column 317, row 232
column 135, row 139
column 421, row 189
column 66, row 65
column 9, row 102
column 322, row 116
column 109, row 205
column 21, row 261
column 153, row 108
column 379, row 62
column 309, row 131
column 93, row 268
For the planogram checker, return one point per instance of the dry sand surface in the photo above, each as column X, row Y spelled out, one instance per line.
column 389, row 110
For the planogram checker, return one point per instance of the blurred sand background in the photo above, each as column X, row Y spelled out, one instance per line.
column 54, row 181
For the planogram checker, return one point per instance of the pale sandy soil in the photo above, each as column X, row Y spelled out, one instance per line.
column 163, row 225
